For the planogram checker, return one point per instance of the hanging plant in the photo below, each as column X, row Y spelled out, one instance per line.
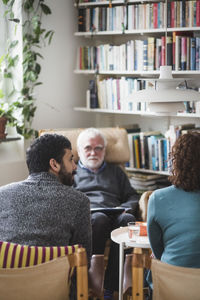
column 34, row 37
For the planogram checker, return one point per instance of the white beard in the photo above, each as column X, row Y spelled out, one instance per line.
column 91, row 163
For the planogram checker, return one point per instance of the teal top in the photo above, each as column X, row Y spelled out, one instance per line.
column 173, row 223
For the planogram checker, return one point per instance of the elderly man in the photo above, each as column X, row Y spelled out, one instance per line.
column 107, row 186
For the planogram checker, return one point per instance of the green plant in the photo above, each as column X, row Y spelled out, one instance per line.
column 34, row 37
column 6, row 110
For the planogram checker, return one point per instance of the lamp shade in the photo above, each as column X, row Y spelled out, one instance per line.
column 165, row 96
column 166, row 107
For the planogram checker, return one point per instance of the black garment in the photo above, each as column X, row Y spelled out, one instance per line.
column 102, row 225
column 109, row 187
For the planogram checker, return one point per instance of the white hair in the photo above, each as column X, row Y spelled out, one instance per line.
column 90, row 133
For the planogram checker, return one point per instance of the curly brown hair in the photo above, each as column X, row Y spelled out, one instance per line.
column 185, row 157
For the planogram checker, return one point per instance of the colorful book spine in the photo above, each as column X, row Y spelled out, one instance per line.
column 137, row 151
column 193, row 53
column 155, row 15
column 154, row 157
column 169, row 51
column 145, row 55
column 165, row 154
column 151, row 56
column 198, row 13
column 172, row 14
column 183, row 3
column 163, row 45
column 183, row 52
column 168, row 14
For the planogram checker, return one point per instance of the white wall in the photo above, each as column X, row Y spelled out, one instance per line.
column 60, row 92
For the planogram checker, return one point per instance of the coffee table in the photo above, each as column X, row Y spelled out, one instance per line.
column 120, row 236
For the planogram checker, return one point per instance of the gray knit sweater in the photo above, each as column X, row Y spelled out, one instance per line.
column 109, row 187
column 42, row 211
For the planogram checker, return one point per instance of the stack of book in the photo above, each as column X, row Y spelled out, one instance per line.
column 147, row 182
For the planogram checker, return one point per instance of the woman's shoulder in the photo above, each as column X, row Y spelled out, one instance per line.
column 167, row 192
column 168, row 189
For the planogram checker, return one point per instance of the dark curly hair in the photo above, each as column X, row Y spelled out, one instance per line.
column 43, row 149
column 185, row 157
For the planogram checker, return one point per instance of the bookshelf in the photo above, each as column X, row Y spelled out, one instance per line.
column 102, row 38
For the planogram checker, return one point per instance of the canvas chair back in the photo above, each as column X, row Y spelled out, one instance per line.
column 46, row 281
column 174, row 282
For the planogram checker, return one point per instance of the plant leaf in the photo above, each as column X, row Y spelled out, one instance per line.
column 46, row 10
column 14, row 19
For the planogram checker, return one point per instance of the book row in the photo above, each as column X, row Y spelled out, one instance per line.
column 183, row 53
column 114, row 94
column 140, row 16
column 150, row 150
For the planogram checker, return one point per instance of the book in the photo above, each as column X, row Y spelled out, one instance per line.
column 144, row 177
column 154, row 151
column 143, row 183
column 193, row 53
column 143, row 187
column 169, row 51
column 184, row 131
column 151, row 56
column 145, row 55
column 93, row 94
column 163, row 45
column 183, row 52
column 158, row 54
column 131, row 148
column 81, row 20
column 136, row 140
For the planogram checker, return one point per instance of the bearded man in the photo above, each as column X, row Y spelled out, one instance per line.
column 44, row 210
column 107, row 187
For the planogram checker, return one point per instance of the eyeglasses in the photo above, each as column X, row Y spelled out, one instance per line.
column 97, row 149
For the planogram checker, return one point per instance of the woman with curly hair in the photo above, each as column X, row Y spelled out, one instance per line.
column 173, row 217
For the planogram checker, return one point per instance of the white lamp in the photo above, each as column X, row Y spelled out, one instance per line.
column 165, row 96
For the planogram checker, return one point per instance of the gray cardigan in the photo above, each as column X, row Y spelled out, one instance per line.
column 42, row 211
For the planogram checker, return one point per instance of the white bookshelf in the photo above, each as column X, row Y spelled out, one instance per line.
column 117, row 37
column 136, row 73
column 114, row 2
column 138, row 113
